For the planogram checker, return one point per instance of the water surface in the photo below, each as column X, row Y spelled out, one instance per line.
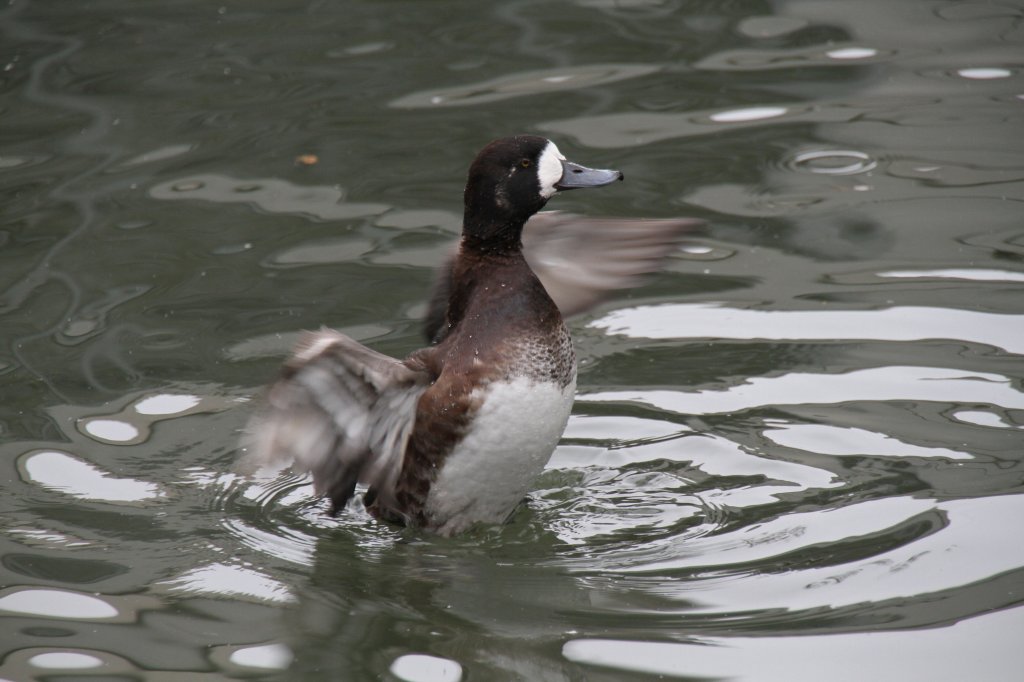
column 796, row 454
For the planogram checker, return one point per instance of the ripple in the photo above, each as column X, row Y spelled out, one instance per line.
column 633, row 508
column 895, row 548
column 524, row 83
column 323, row 251
column 7, row 161
column 832, row 162
column 267, row 194
column 619, row 428
column 47, row 538
column 226, row 580
column 279, row 343
column 362, row 49
column 283, row 543
column 160, row 154
column 770, row 26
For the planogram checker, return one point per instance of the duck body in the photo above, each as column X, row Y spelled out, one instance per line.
column 454, row 434
column 503, row 393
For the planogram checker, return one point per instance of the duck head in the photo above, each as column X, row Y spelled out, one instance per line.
column 511, row 179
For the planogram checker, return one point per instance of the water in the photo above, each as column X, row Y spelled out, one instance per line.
column 795, row 454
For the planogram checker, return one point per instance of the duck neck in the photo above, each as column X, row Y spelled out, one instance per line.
column 500, row 238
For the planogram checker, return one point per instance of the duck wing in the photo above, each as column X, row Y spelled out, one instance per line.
column 579, row 260
column 340, row 411
column 582, row 261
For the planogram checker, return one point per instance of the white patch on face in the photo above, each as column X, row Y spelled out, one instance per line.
column 549, row 170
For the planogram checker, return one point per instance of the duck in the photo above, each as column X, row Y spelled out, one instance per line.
column 454, row 434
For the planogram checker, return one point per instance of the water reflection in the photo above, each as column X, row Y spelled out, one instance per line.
column 224, row 580
column 799, row 444
column 268, row 194
column 832, row 162
column 65, row 473
column 423, row 668
column 900, row 323
column 842, row 657
column 525, row 83
column 56, row 604
column 881, row 384
column 763, row 60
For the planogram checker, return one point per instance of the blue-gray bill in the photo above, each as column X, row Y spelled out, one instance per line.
column 575, row 176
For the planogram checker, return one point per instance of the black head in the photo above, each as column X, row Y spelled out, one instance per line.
column 511, row 179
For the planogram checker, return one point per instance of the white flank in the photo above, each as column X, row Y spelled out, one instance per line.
column 549, row 170
column 508, row 444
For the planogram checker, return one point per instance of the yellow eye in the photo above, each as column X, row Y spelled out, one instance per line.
column 525, row 163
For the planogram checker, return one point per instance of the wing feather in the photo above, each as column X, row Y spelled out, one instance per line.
column 342, row 412
column 580, row 261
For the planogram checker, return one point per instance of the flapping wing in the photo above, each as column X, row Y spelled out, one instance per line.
column 340, row 411
column 581, row 261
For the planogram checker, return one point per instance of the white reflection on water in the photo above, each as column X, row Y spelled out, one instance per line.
column 133, row 424
column 229, row 581
column 982, row 648
column 56, row 604
column 268, row 656
column 67, row 660
column 748, row 114
column 65, row 473
column 160, row 154
column 852, row 53
column 44, row 538
column 882, row 383
column 984, row 73
column 900, row 323
column 424, row 668
column 166, row 403
column 838, row 441
column 110, row 430
column 525, row 83
column 976, row 274
column 780, row 58
column 983, row 419
column 619, row 428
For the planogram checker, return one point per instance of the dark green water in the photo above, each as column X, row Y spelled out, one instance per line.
column 795, row 455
